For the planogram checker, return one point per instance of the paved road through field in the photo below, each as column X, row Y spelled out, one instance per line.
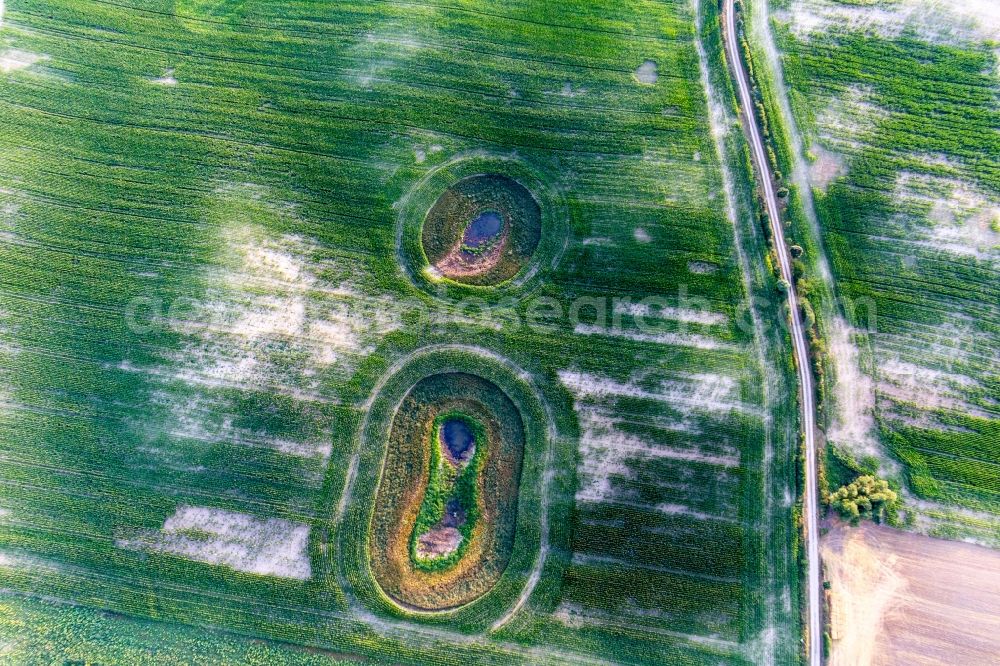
column 762, row 166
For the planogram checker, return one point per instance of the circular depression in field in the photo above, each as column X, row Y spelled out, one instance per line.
column 445, row 514
column 484, row 225
column 482, row 230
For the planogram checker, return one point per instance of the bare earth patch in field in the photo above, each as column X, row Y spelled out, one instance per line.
column 15, row 59
column 263, row 546
column 854, row 421
column 459, row 263
column 827, row 167
column 902, row 598
column 439, row 541
column 701, row 267
column 647, row 73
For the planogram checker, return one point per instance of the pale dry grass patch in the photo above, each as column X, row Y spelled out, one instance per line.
column 12, row 60
column 10, row 561
column 263, row 546
column 854, row 418
column 949, row 345
column 276, row 314
column 848, row 120
column 682, row 510
column 935, row 21
column 166, row 80
column 957, row 218
column 927, row 388
column 701, row 392
column 387, row 48
column 205, row 420
column 270, row 300
column 686, row 315
column 672, row 180
column 665, row 338
column 606, row 450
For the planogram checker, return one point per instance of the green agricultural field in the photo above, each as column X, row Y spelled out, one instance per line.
column 214, row 295
column 898, row 107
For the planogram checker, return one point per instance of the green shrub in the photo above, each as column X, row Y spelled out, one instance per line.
column 866, row 496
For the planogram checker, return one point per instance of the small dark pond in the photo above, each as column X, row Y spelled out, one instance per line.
column 486, row 227
column 454, row 514
column 457, row 435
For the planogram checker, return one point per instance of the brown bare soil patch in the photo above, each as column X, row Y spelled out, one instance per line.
column 902, row 598
column 461, row 264
column 439, row 541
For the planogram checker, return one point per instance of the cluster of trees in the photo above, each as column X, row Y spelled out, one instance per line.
column 865, row 496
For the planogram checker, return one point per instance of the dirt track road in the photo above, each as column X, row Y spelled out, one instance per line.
column 765, row 178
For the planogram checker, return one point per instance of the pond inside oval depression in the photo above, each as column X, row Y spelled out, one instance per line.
column 457, row 436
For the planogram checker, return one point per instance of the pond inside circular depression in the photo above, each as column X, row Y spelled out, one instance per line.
column 482, row 230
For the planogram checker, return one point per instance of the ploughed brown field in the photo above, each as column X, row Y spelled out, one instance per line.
column 902, row 598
